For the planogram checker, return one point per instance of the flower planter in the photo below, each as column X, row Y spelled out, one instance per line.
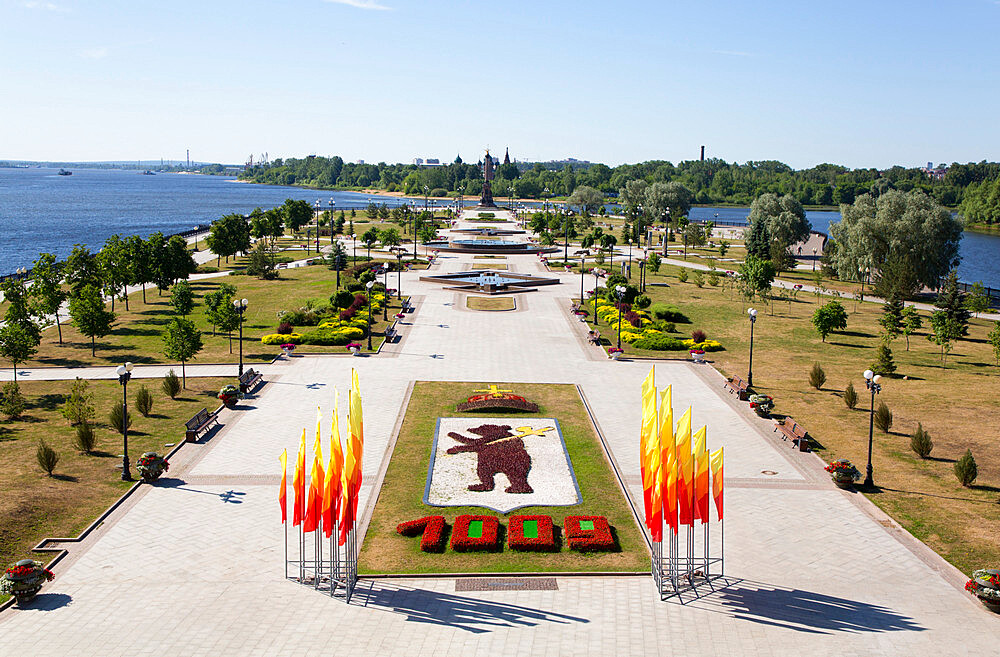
column 846, row 484
column 698, row 356
column 992, row 605
column 355, row 351
column 150, row 466
column 24, row 580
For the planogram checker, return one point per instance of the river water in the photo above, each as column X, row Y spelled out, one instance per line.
column 43, row 211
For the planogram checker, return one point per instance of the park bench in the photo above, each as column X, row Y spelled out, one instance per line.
column 202, row 420
column 790, row 429
column 739, row 386
column 390, row 333
column 405, row 305
column 249, row 380
column 595, row 338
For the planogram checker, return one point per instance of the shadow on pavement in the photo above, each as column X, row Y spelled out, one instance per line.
column 469, row 614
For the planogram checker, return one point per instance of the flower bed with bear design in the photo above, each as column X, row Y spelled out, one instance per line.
column 406, row 535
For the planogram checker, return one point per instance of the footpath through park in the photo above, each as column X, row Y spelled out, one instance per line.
column 193, row 564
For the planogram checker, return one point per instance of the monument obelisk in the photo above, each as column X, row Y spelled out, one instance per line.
column 486, row 200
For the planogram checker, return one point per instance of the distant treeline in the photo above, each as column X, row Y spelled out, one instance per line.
column 710, row 181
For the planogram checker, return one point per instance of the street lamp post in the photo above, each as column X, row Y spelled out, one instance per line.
column 240, row 305
column 873, row 383
column 399, row 270
column 814, row 259
column 124, row 374
column 596, row 277
column 620, row 292
column 752, row 312
column 566, row 239
column 385, row 286
column 317, row 228
column 426, row 190
column 332, row 203
column 368, row 287
column 642, row 274
column 583, row 262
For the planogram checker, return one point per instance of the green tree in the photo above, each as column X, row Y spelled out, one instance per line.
column 945, row 332
column 884, row 364
column 966, row 470
column 159, row 266
column 20, row 310
column 668, row 201
column 79, row 406
column 296, row 214
column 181, row 341
column 113, row 262
column 369, row 239
column 952, row 303
column 215, row 302
column 911, row 323
column 654, row 262
column 46, row 288
column 784, row 217
column 337, row 259
column 755, row 277
column 586, row 198
column 977, row 301
column 994, row 340
column 906, row 239
column 229, row 235
column 389, row 237
column 81, row 269
column 179, row 261
column 266, row 225
column 90, row 316
column 892, row 318
column 182, row 298
column 758, row 241
column 16, row 345
column 261, row 261
column 829, row 318
column 140, row 271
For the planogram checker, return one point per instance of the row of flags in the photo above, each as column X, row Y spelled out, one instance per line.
column 333, row 491
column 675, row 465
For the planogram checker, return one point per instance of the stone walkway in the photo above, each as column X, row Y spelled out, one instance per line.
column 192, row 565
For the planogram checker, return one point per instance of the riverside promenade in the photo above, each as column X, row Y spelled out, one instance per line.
column 193, row 564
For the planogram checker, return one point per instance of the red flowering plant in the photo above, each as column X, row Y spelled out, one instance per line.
column 615, row 350
column 589, row 534
column 476, row 534
column 24, row 579
column 532, row 534
column 843, row 471
column 151, row 465
column 985, row 585
column 431, row 529
column 353, row 345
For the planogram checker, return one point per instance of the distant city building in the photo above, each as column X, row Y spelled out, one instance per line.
column 935, row 173
column 432, row 160
column 360, row 162
column 418, row 161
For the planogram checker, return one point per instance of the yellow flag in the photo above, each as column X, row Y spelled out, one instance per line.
column 685, row 468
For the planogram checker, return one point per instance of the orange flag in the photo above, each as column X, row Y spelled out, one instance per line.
column 647, row 433
column 716, row 463
column 298, row 483
column 352, row 461
column 701, row 475
column 334, row 472
column 314, row 514
column 283, row 492
column 685, row 469
column 655, row 469
column 668, row 464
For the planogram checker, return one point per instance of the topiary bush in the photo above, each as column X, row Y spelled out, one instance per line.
column 883, row 417
column 698, row 335
column 921, row 443
column 144, row 401
column 46, row 457
column 817, row 377
column 85, row 439
column 667, row 312
column 642, row 302
column 285, row 328
column 850, row 396
column 171, row 384
column 965, row 469
column 683, row 276
column 342, row 299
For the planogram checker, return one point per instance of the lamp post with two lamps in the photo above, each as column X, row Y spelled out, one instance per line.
column 620, row 293
column 241, row 306
column 874, row 383
column 752, row 312
column 124, row 373
column 368, row 288
column 385, row 287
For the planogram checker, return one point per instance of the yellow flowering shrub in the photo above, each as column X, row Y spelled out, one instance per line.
column 282, row 338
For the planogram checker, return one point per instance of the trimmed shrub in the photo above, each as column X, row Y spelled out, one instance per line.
column 965, row 469
column 11, row 400
column 817, row 377
column 683, row 276
column 667, row 312
column 115, row 418
column 713, row 278
column 46, row 457
column 921, row 443
column 171, row 384
column 883, row 360
column 85, row 438
column 342, row 299
column 285, row 328
column 660, row 342
column 144, row 401
column 698, row 335
column 698, row 278
column 642, row 302
column 78, row 407
column 883, row 418
column 850, row 396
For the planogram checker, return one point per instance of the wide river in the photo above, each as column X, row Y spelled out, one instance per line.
column 43, row 211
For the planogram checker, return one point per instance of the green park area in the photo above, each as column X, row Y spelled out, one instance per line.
column 402, row 493
column 86, row 478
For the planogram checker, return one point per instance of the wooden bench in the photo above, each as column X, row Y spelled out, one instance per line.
column 202, row 420
column 739, row 386
column 390, row 333
column 790, row 429
column 405, row 305
column 249, row 380
column 595, row 338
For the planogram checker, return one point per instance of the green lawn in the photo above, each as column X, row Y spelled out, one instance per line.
column 400, row 499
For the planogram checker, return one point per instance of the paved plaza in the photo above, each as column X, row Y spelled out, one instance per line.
column 193, row 565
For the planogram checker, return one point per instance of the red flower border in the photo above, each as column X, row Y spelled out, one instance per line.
column 598, row 539
column 429, row 528
column 488, row 542
column 544, row 542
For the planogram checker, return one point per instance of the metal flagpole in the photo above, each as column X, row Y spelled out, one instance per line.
column 286, row 547
column 317, row 557
column 302, row 541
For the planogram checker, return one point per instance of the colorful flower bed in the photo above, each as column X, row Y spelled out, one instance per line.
column 589, row 534
column 351, row 323
column 476, row 534
column 539, row 537
column 985, row 585
column 431, row 529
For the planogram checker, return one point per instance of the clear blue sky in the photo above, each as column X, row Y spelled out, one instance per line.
column 870, row 83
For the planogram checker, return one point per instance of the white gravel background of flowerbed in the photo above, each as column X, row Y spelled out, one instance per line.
column 550, row 477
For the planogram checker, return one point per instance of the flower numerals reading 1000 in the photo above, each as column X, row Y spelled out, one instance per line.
column 536, row 533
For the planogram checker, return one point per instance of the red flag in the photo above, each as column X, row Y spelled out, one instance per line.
column 685, row 469
column 298, row 483
column 334, row 471
column 717, row 479
column 352, row 462
column 701, row 476
column 315, row 513
column 283, row 491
